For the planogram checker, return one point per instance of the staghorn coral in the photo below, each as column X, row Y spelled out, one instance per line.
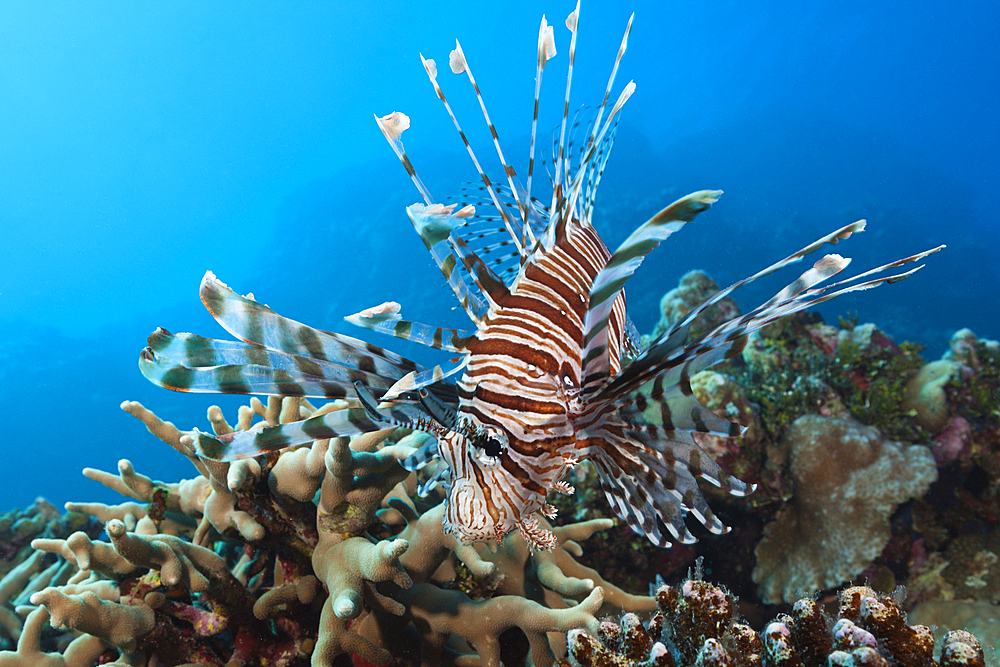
column 25, row 570
column 848, row 480
column 285, row 560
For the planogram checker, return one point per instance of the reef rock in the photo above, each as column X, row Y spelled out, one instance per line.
column 695, row 625
column 965, row 347
column 694, row 288
column 926, row 398
column 848, row 480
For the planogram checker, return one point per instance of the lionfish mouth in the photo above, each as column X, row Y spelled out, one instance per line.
column 468, row 516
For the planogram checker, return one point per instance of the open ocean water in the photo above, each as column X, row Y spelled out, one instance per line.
column 142, row 144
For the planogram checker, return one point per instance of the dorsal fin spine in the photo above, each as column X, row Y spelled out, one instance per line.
column 431, row 69
column 557, row 209
column 611, row 83
column 392, row 135
column 507, row 169
column 546, row 50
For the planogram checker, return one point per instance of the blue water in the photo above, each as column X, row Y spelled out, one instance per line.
column 142, row 144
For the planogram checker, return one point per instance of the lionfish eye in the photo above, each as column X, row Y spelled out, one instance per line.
column 492, row 447
column 486, row 447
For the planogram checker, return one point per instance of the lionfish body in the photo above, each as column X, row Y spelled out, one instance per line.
column 550, row 376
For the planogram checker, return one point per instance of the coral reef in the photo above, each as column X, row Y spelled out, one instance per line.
column 867, row 401
column 695, row 624
column 297, row 558
column 848, row 480
column 693, row 289
column 24, row 570
column 324, row 554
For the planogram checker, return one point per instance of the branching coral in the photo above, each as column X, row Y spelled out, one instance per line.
column 26, row 571
column 278, row 561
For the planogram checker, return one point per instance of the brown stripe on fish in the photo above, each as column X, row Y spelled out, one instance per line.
column 519, row 404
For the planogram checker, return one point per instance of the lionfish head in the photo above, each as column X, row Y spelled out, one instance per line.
column 486, row 500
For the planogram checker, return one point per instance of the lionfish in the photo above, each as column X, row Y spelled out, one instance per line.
column 552, row 372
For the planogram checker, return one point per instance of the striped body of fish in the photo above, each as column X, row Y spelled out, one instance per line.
column 550, row 375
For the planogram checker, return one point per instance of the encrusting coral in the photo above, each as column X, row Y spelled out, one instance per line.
column 926, row 397
column 848, row 480
column 696, row 625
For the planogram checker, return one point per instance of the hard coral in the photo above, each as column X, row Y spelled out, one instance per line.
column 694, row 288
column 25, row 570
column 696, row 625
column 848, row 479
column 925, row 394
column 283, row 560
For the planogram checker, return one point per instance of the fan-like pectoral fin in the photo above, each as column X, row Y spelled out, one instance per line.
column 255, row 323
column 648, row 461
column 680, row 447
column 350, row 421
column 409, row 386
column 491, row 286
column 677, row 365
column 651, row 485
column 385, row 318
column 190, row 363
column 638, row 509
column 435, row 224
column 256, row 441
column 236, row 379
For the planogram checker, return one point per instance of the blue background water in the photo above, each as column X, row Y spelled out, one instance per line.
column 142, row 144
